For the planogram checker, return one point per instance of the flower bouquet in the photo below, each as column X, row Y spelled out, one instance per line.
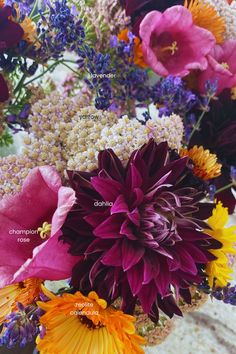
column 114, row 209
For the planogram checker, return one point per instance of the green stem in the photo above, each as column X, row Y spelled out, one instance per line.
column 20, row 84
column 197, row 125
column 33, row 9
column 67, row 66
column 225, row 188
column 43, row 73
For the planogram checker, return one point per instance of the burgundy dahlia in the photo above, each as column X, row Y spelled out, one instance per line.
column 10, row 31
column 137, row 230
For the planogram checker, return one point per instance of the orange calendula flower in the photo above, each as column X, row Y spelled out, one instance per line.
column 233, row 93
column 205, row 163
column 2, row 3
column 206, row 16
column 76, row 324
column 25, row 292
column 138, row 53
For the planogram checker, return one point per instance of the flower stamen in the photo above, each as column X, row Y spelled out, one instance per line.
column 225, row 65
column 45, row 230
column 173, row 48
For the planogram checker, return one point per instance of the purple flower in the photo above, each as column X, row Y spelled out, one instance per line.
column 21, row 327
column 138, row 230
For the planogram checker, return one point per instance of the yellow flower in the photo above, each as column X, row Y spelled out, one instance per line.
column 76, row 324
column 205, row 163
column 206, row 16
column 25, row 292
column 219, row 270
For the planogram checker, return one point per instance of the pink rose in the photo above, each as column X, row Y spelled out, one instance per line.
column 23, row 252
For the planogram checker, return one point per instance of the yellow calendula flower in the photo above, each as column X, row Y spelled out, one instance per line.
column 25, row 292
column 218, row 271
column 76, row 324
column 205, row 163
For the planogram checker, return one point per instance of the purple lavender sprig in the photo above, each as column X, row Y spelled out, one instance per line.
column 21, row 327
column 226, row 294
column 173, row 96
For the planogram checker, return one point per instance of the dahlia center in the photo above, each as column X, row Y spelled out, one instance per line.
column 89, row 323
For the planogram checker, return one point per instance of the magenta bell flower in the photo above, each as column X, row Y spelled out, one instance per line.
column 172, row 44
column 24, row 252
column 221, row 68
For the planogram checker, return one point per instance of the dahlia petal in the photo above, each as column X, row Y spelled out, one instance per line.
column 187, row 262
column 109, row 189
column 108, row 161
column 158, row 185
column 186, row 295
column 95, row 270
column 131, row 254
column 86, row 202
column 176, row 167
column 137, row 197
column 197, row 254
column 126, row 229
column 113, row 257
column 133, row 179
column 135, row 278
column 110, row 228
column 192, row 235
column 147, row 296
column 169, row 306
column 151, row 269
column 95, row 219
column 163, row 279
column 80, row 179
column 134, row 216
column 98, row 245
column 120, row 205
column 149, row 153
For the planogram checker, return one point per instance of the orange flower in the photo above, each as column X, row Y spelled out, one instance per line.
column 78, row 324
column 206, row 16
column 205, row 163
column 138, row 53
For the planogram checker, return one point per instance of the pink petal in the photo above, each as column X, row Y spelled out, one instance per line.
column 131, row 254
